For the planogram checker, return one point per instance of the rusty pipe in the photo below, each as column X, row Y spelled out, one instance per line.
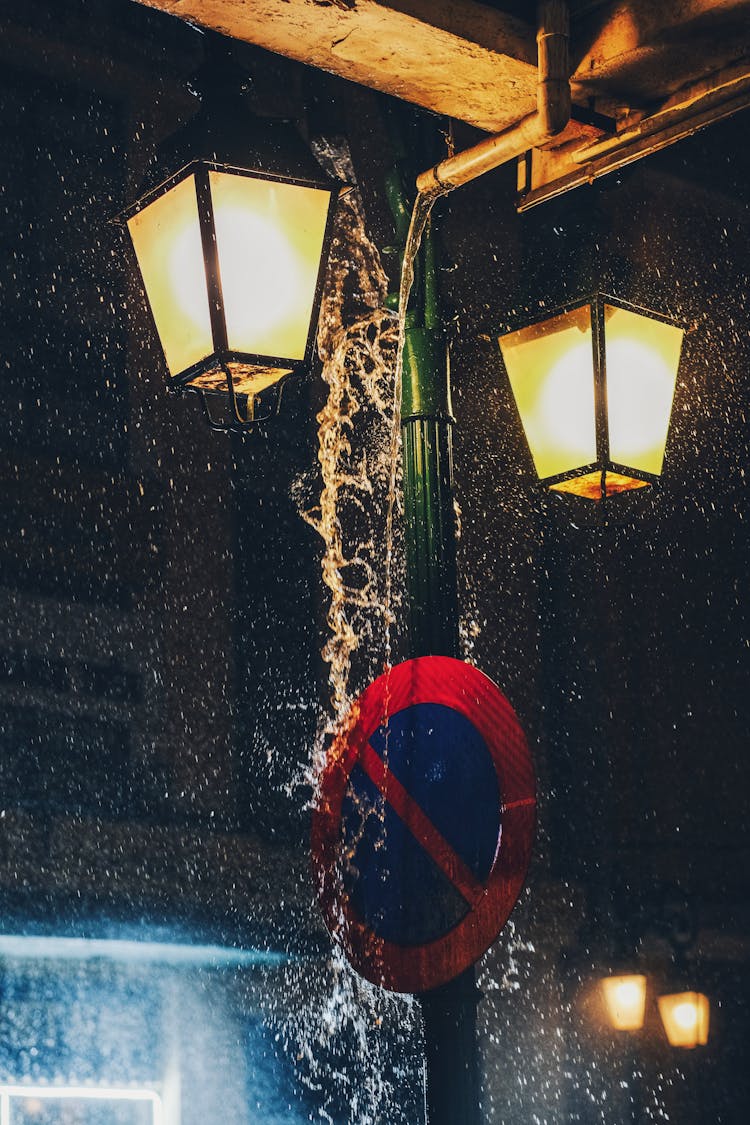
column 551, row 117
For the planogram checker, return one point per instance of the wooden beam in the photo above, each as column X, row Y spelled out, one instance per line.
column 463, row 60
column 657, row 71
column 639, row 52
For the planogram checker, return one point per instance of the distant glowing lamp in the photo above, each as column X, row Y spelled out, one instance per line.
column 594, row 385
column 232, row 246
column 625, row 1001
column 685, row 1016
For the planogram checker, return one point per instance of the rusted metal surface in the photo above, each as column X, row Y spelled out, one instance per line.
column 545, row 173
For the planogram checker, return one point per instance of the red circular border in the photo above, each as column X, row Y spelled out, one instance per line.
column 428, row 679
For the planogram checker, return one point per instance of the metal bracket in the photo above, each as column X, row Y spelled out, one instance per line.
column 241, row 421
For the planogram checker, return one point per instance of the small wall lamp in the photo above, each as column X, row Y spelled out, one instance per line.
column 594, row 384
column 685, row 1015
column 625, row 1001
column 231, row 244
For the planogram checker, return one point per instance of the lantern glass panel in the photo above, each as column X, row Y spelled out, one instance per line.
column 551, row 370
column 167, row 241
column 269, row 239
column 642, row 356
column 685, row 1016
column 625, row 999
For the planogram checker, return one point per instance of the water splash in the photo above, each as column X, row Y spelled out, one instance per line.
column 352, row 1043
column 355, row 371
column 357, row 344
column 359, row 452
column 361, row 344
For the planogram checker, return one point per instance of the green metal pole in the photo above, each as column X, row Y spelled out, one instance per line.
column 430, row 522
column 449, row 1012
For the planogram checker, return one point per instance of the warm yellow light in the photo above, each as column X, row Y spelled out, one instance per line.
column 269, row 238
column 186, row 281
column 551, row 372
column 590, row 484
column 595, row 395
column 269, row 242
column 167, row 242
column 642, row 356
column 685, row 1016
column 260, row 273
column 625, row 999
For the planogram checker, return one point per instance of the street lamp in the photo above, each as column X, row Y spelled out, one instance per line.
column 594, row 384
column 625, row 1001
column 231, row 242
column 685, row 1016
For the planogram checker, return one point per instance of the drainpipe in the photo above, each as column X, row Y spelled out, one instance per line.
column 452, row 1083
column 551, row 117
column 449, row 1012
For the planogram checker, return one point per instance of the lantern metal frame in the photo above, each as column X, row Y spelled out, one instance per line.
column 603, row 464
column 240, row 420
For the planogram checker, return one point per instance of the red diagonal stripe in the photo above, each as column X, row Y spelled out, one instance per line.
column 420, row 826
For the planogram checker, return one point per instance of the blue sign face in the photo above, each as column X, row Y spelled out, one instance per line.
column 412, row 875
column 423, row 824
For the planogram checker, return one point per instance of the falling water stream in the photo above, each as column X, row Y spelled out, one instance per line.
column 361, row 344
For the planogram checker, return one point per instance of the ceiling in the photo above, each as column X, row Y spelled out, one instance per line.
column 643, row 75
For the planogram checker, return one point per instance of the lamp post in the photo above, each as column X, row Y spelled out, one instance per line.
column 449, row 1012
column 231, row 239
column 625, row 1005
column 452, row 1086
column 231, row 245
column 594, row 384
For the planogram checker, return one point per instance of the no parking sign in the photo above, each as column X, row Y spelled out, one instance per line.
column 423, row 828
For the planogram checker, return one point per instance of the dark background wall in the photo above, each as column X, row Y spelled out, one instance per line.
column 160, row 678
column 623, row 638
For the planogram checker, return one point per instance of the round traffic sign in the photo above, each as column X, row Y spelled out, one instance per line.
column 423, row 826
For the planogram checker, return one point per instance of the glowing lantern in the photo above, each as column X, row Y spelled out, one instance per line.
column 594, row 385
column 231, row 248
column 685, row 1016
column 625, row 1000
